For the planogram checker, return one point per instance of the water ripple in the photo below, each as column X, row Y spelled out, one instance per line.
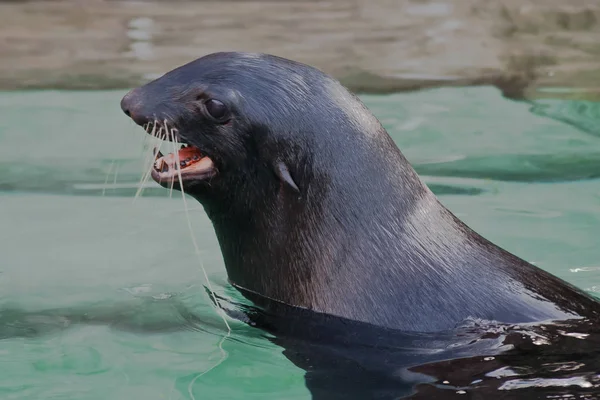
column 584, row 115
column 560, row 167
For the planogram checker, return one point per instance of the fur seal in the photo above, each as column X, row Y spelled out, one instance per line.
column 315, row 207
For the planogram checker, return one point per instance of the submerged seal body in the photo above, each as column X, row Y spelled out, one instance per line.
column 315, row 207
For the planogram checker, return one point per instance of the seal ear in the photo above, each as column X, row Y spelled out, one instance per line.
column 282, row 172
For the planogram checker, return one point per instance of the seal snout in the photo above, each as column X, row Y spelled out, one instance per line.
column 133, row 106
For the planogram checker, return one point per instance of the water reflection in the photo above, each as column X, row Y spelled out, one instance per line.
column 583, row 115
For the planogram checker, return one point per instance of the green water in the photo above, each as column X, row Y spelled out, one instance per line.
column 103, row 297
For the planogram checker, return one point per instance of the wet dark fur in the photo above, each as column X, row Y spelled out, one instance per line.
column 363, row 238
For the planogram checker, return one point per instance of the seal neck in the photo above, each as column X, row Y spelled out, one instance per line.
column 297, row 248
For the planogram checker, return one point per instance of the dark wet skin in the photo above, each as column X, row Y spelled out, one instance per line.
column 348, row 360
column 369, row 284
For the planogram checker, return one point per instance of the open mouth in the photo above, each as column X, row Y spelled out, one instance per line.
column 184, row 165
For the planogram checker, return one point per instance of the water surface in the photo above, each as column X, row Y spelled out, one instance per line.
column 103, row 296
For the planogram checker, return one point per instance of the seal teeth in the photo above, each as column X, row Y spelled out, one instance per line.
column 159, row 164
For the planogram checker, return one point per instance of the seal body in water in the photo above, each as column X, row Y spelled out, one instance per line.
column 315, row 207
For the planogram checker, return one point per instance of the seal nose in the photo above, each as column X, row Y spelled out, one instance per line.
column 132, row 104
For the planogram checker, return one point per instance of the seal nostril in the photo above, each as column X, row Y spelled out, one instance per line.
column 129, row 104
column 126, row 104
column 132, row 107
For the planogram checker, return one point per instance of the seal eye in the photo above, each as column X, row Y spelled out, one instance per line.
column 216, row 109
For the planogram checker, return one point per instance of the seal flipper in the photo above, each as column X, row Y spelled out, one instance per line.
column 283, row 173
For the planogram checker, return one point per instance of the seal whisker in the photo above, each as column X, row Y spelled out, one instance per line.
column 143, row 177
column 147, row 170
column 196, row 247
column 115, row 176
column 107, row 176
column 149, row 160
column 191, row 384
column 148, row 144
column 169, row 137
column 154, row 125
column 172, row 137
